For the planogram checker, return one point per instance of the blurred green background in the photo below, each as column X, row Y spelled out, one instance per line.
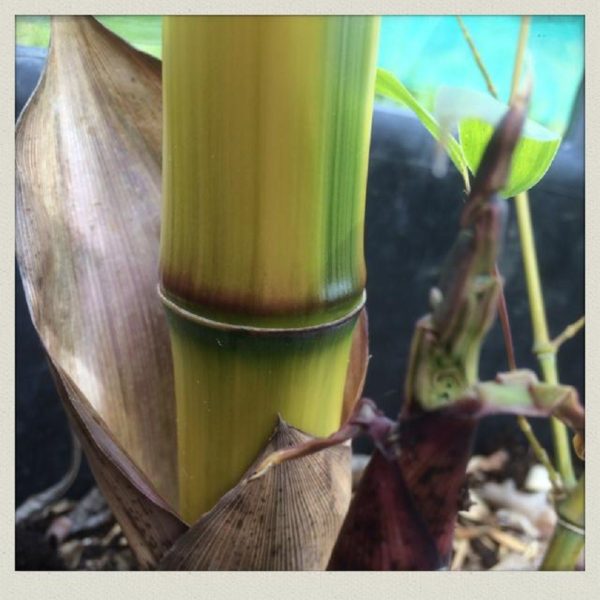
column 425, row 52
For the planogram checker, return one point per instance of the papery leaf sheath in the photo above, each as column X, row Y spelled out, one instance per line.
column 287, row 519
column 88, row 170
column 149, row 523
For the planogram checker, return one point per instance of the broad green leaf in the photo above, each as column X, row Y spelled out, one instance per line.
column 531, row 159
column 388, row 86
column 476, row 115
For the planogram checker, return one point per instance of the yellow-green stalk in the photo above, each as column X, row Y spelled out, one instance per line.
column 266, row 134
column 542, row 346
column 569, row 536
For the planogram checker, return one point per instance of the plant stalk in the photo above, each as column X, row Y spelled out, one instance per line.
column 488, row 80
column 543, row 348
column 569, row 536
column 266, row 138
column 569, row 332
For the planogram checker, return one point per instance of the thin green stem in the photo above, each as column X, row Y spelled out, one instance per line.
column 488, row 80
column 542, row 347
column 568, row 539
column 541, row 338
column 570, row 331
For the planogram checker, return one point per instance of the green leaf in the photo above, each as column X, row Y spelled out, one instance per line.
column 388, row 86
column 531, row 159
column 476, row 115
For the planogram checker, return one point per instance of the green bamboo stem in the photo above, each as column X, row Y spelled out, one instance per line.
column 267, row 126
column 543, row 348
column 569, row 537
column 266, row 135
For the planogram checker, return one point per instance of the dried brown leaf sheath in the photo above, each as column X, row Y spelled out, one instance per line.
column 88, row 163
column 150, row 525
column 287, row 519
column 88, row 166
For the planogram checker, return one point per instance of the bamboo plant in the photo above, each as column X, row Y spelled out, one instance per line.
column 471, row 112
column 267, row 125
column 88, row 219
column 264, row 149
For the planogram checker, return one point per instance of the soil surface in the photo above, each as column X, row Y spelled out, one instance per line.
column 507, row 526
